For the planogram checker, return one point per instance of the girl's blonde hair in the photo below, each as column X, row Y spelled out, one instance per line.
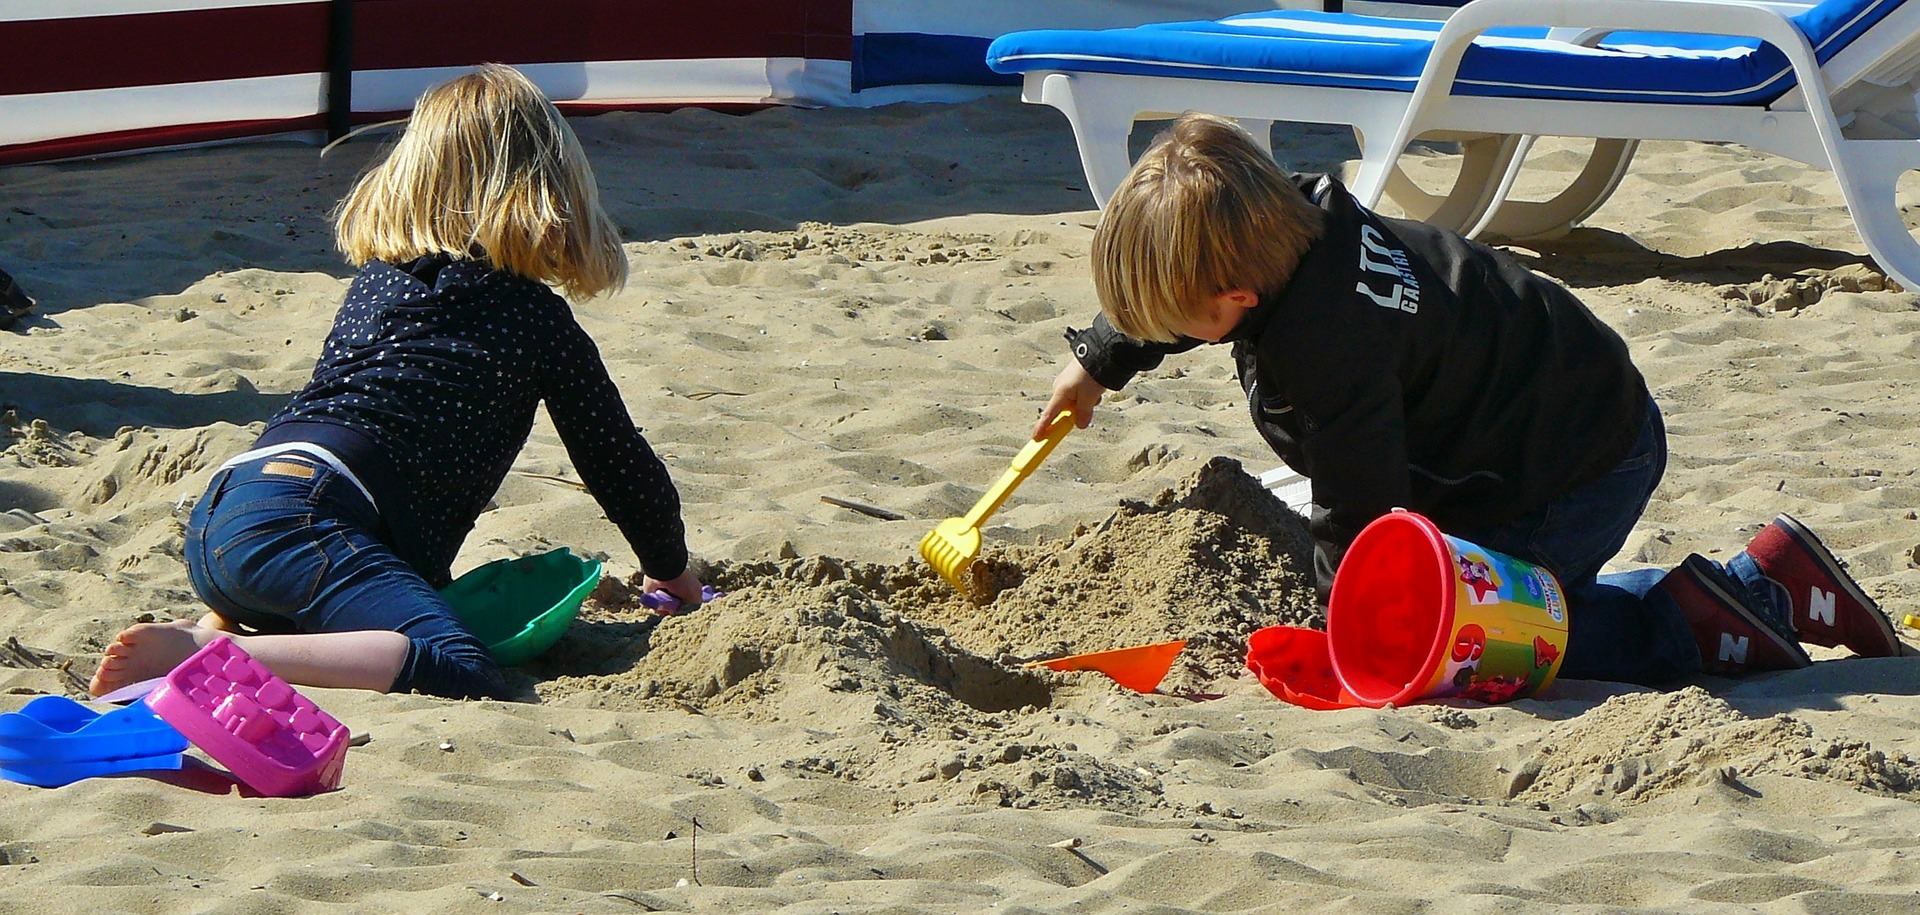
column 1204, row 211
column 488, row 168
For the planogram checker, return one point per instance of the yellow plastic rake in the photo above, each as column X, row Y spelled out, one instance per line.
column 953, row 546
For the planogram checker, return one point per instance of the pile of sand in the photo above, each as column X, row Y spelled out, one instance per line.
column 1209, row 561
column 1637, row 748
column 1805, row 288
column 900, row 704
column 935, row 685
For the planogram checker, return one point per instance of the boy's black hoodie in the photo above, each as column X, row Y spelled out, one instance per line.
column 1405, row 366
column 14, row 301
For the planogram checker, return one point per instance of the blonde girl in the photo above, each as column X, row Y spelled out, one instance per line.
column 323, row 545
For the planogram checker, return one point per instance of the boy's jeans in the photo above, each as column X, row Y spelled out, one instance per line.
column 287, row 553
column 1619, row 627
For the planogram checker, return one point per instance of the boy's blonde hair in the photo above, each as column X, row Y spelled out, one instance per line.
column 487, row 168
column 1204, row 211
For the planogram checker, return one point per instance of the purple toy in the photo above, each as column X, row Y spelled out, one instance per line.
column 664, row 604
column 264, row 731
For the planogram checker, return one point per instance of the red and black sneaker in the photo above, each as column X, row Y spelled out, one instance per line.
column 1828, row 606
column 1733, row 637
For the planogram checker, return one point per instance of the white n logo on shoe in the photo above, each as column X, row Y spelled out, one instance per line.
column 1820, row 606
column 1733, row 648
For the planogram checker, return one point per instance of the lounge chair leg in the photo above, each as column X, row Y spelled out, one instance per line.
column 1370, row 180
column 1379, row 158
column 1412, row 199
column 1869, row 173
column 1101, row 126
column 1483, row 159
column 1520, row 220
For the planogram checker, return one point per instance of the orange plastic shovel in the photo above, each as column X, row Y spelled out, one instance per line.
column 1140, row 668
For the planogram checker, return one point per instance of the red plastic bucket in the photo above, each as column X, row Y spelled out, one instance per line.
column 1416, row 614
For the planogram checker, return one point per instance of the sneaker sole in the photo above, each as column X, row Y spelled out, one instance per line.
column 1704, row 575
column 1812, row 543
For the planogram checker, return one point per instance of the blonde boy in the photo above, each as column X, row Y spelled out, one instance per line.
column 1400, row 365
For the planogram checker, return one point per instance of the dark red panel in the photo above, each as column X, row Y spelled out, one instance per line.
column 146, row 49
column 401, row 34
column 829, row 30
column 149, row 49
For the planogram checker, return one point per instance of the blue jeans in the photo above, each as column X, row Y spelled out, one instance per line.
column 1618, row 626
column 297, row 551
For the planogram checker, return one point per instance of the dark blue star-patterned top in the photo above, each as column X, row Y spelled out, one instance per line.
column 426, row 389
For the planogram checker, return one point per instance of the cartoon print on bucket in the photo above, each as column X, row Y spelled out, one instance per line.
column 1418, row 614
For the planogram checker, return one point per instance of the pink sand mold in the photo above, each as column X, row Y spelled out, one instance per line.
column 264, row 731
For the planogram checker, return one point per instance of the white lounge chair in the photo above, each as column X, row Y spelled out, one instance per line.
column 1833, row 84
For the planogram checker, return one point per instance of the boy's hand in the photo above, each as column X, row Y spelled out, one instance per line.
column 1073, row 389
column 686, row 588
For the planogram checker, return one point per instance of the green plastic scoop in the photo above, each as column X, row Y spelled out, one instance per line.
column 521, row 607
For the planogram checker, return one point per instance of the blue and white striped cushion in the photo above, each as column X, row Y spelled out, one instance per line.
column 1371, row 52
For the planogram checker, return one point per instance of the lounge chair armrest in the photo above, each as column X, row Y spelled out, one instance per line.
column 1759, row 19
column 1578, row 18
column 1591, row 36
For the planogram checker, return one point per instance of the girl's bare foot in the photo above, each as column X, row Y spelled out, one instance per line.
column 148, row 650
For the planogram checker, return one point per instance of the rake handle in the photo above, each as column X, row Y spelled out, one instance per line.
column 1023, row 466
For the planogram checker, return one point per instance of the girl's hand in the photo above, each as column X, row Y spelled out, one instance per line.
column 686, row 588
column 1073, row 389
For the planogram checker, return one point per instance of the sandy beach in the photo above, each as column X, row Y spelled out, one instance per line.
column 869, row 305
